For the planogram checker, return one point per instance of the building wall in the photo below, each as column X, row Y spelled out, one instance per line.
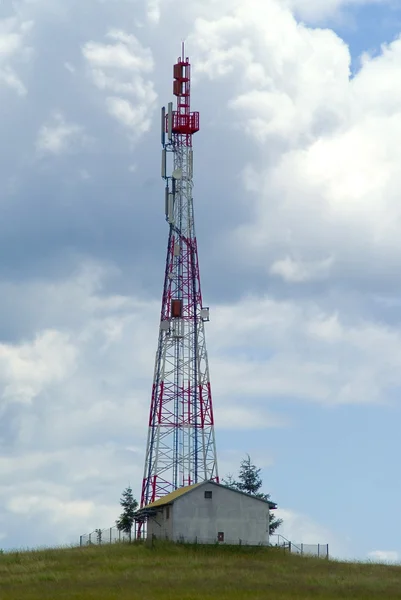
column 161, row 526
column 242, row 519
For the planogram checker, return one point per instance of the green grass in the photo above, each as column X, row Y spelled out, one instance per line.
column 178, row 572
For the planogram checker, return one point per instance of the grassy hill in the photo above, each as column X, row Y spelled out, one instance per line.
column 178, row 572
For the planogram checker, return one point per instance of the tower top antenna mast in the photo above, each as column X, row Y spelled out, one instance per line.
column 181, row 123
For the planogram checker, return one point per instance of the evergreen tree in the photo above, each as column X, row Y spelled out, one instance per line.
column 127, row 517
column 250, row 482
column 249, row 479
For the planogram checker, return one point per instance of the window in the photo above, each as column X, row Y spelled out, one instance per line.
column 208, row 494
column 167, row 512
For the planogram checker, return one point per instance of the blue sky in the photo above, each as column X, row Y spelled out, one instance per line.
column 297, row 209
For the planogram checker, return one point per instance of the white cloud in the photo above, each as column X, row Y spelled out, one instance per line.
column 133, row 117
column 281, row 86
column 12, row 33
column 80, row 397
column 122, row 68
column 86, row 467
column 13, row 48
column 56, row 509
column 324, row 179
column 59, row 136
column 315, row 10
column 384, row 556
column 9, row 78
column 28, row 368
column 300, row 529
column 256, row 343
column 153, row 11
column 125, row 53
column 294, row 271
column 78, row 497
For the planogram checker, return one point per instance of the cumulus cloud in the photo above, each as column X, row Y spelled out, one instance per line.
column 50, row 504
column 324, row 182
column 58, row 136
column 28, row 368
column 122, row 68
column 14, row 48
column 153, row 11
column 256, row 343
column 314, row 10
column 294, row 271
column 132, row 117
column 10, row 79
column 51, row 389
column 300, row 529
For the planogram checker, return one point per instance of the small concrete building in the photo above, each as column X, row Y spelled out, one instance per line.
column 209, row 512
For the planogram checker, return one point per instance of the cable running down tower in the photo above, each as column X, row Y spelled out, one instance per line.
column 181, row 447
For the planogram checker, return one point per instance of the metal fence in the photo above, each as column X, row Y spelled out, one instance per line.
column 113, row 535
column 318, row 550
column 107, row 536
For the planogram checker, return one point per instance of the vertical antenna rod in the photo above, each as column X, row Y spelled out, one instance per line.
column 181, row 447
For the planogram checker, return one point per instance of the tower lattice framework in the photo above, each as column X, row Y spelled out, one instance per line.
column 181, row 447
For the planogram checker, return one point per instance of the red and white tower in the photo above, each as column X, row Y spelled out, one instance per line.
column 181, row 447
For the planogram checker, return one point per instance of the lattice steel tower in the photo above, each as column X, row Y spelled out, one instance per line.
column 181, row 446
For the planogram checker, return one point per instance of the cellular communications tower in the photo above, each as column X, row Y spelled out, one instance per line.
column 181, row 446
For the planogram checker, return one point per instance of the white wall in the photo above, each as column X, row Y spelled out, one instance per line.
column 240, row 517
column 161, row 526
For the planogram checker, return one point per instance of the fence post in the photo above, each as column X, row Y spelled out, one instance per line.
column 289, row 547
column 318, row 550
column 110, row 535
column 302, row 548
column 80, row 540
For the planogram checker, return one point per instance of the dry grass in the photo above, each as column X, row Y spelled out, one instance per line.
column 178, row 572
